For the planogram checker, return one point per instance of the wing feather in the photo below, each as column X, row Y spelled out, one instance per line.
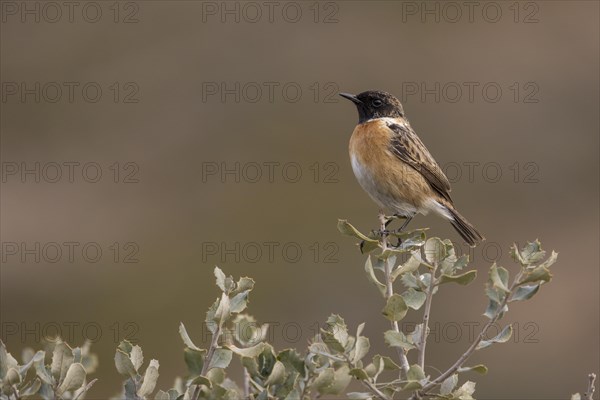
column 407, row 146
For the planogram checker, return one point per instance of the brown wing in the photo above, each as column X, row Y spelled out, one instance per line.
column 407, row 146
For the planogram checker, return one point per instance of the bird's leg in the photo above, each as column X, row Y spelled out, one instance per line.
column 407, row 220
column 382, row 232
column 389, row 221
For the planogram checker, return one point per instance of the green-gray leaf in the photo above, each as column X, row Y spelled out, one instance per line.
column 223, row 310
column 137, row 357
column 361, row 348
column 461, row 262
column 324, row 379
column 186, row 338
column 435, row 250
column 410, row 281
column 277, row 375
column 150, row 379
column 220, row 359
column 395, row 308
column 62, row 358
column 220, row 276
column 465, row 391
column 415, row 373
column 335, row 335
column 387, row 363
column 525, row 292
column 414, row 299
column 73, row 379
column 239, row 302
column 341, row 380
column 12, row 377
column 479, row 368
column 502, row 337
column 243, row 284
column 40, row 368
column 499, row 278
column 347, row 229
column 6, row 361
column 359, row 374
column 398, row 339
column 532, row 252
column 449, row 384
column 194, row 359
column 372, row 278
column 463, row 279
column 415, row 376
column 493, row 308
column 538, row 274
column 252, row 352
column 124, row 364
column 416, row 334
column 411, row 265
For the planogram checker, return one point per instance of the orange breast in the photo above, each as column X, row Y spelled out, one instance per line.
column 388, row 180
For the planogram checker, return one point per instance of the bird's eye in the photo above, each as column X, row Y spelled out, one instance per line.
column 377, row 103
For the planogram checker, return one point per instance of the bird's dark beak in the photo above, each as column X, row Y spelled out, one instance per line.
column 351, row 97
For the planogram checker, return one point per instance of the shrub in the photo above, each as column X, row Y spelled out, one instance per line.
column 334, row 357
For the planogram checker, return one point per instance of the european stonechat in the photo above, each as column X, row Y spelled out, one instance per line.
column 395, row 168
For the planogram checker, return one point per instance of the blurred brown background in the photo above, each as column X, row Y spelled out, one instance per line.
column 168, row 115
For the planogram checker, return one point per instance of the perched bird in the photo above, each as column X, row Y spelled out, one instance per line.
column 395, row 168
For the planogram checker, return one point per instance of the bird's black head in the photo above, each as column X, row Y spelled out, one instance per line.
column 375, row 104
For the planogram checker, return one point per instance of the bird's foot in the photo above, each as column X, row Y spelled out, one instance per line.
column 381, row 232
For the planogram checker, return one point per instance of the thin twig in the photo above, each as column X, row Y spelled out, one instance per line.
column 246, row 384
column 87, row 387
column 589, row 395
column 196, row 392
column 331, row 356
column 377, row 392
column 472, row 347
column 390, row 289
column 211, row 350
column 426, row 313
column 366, row 383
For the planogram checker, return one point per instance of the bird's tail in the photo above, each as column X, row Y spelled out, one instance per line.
column 464, row 228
